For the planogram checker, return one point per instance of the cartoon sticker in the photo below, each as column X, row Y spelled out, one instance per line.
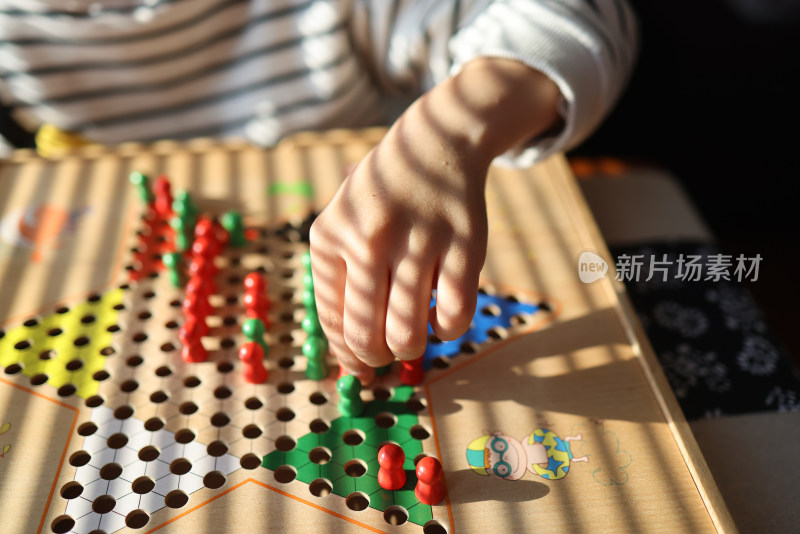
column 541, row 452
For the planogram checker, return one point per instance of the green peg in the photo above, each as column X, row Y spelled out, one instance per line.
column 308, row 281
column 311, row 324
column 172, row 260
column 182, row 242
column 184, row 207
column 309, row 300
column 253, row 329
column 142, row 183
column 232, row 222
column 350, row 403
column 314, row 349
column 306, row 260
column 384, row 370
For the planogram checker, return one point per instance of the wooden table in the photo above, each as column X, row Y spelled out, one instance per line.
column 104, row 427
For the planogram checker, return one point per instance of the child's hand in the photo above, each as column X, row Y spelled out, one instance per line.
column 412, row 216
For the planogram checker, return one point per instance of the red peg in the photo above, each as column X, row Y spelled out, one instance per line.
column 411, row 373
column 254, row 282
column 163, row 197
column 196, row 305
column 256, row 307
column 252, row 356
column 391, row 475
column 193, row 350
column 430, row 481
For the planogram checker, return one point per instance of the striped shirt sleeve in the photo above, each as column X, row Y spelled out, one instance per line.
column 587, row 47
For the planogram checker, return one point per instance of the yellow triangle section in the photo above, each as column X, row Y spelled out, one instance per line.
column 66, row 347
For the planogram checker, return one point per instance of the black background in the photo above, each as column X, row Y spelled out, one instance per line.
column 715, row 101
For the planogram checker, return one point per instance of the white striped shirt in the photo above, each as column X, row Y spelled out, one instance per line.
column 142, row 70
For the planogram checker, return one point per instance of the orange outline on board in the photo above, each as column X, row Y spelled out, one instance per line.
column 280, row 491
column 549, row 318
column 66, row 445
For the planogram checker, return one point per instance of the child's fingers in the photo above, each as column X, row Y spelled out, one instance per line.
column 407, row 312
column 365, row 297
column 456, row 293
column 354, row 366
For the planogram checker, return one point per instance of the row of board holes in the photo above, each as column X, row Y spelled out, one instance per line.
column 357, row 501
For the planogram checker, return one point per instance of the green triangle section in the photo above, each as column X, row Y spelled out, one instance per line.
column 382, row 421
column 65, row 348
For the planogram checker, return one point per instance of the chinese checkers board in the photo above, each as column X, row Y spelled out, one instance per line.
column 549, row 414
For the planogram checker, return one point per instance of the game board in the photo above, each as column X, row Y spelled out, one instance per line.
column 550, row 413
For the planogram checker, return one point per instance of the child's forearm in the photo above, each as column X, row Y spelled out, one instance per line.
column 491, row 106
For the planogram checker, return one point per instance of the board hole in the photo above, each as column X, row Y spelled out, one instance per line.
column 419, row 432
column 320, row 487
column 251, row 431
column 47, row 354
column 285, row 443
column 191, row 382
column 117, row 441
column 395, row 515
column 139, row 337
column 217, row 448
column 415, row 405
column 123, row 412
column 129, row 386
column 497, row 333
column 180, row 466
column 286, row 362
column 253, row 403
column 433, row 527
column 13, row 369
column 172, row 324
column 176, row 499
column 227, row 343
column 285, row 474
column 220, row 419
column 357, row 501
column 79, row 458
column 167, row 347
column 134, row 361
column 71, row 490
column 184, row 436
column 87, row 429
column 223, row 392
column 110, row 471
column 318, row 398
column 22, row 345
column 137, row 519
column 101, row 376
column 355, row 468
column 74, row 365
column 440, row 362
column 149, row 453
column 250, row 461
column 187, row 408
column 154, row 424
column 320, row 455
column 285, row 388
column 158, row 397
column 39, row 379
column 66, row 390
column 103, row 504
column 163, row 371
column 53, row 332
column 385, row 420
column 353, row 437
column 224, row 367
column 143, row 485
column 88, row 319
column 82, row 341
column 382, row 394
column 33, row 321
column 284, row 414
column 144, row 315
column 319, row 426
column 94, row 401
column 62, row 524
column 469, row 347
